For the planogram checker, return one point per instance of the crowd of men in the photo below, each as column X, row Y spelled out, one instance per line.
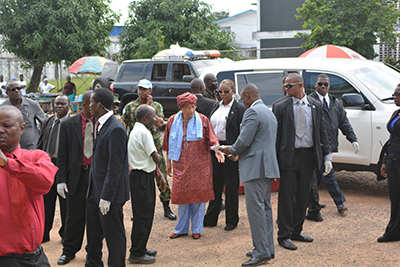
column 93, row 155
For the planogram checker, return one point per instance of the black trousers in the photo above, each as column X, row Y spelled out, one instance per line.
column 21, row 260
column 76, row 216
column 110, row 227
column 393, row 174
column 295, row 183
column 143, row 199
column 50, row 207
column 224, row 174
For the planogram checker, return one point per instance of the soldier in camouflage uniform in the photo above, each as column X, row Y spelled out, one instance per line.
column 144, row 93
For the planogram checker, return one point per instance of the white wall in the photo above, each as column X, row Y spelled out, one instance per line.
column 242, row 26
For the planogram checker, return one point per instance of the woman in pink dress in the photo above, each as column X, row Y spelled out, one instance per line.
column 188, row 139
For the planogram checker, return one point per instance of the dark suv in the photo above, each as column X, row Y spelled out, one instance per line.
column 170, row 78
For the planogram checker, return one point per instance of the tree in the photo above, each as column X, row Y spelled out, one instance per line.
column 218, row 15
column 356, row 24
column 154, row 25
column 54, row 30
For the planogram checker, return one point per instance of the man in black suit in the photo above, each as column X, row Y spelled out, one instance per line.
column 48, row 141
column 211, row 87
column 108, row 188
column 302, row 144
column 204, row 104
column 74, row 160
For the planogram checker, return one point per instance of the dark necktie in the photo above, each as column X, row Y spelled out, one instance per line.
column 52, row 144
column 96, row 128
column 300, row 120
column 325, row 103
column 88, row 141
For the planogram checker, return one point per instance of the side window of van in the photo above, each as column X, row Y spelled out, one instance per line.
column 159, row 72
column 338, row 85
column 132, row 72
column 269, row 84
column 180, row 70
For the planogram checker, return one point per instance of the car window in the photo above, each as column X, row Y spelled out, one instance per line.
column 159, row 72
column 338, row 85
column 179, row 70
column 269, row 84
column 132, row 72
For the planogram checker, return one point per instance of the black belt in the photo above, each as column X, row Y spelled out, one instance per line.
column 85, row 167
column 302, row 149
column 26, row 255
column 223, row 143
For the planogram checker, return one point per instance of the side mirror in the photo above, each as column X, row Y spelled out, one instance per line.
column 187, row 78
column 353, row 100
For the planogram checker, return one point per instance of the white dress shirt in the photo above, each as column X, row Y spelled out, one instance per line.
column 219, row 118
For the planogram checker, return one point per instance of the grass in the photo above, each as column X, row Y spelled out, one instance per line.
column 82, row 84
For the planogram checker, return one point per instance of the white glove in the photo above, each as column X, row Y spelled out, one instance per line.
column 104, row 206
column 356, row 147
column 62, row 189
column 328, row 167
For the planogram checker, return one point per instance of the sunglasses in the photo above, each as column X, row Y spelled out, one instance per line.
column 224, row 91
column 288, row 86
column 396, row 95
column 325, row 84
column 13, row 89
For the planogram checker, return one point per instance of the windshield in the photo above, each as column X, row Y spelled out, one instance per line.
column 199, row 65
column 379, row 79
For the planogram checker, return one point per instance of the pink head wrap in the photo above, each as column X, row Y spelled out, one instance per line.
column 186, row 99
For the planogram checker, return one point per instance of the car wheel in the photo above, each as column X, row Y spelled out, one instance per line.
column 101, row 82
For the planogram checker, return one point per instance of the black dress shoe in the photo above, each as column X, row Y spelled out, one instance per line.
column 384, row 239
column 229, row 227
column 288, row 244
column 302, row 238
column 152, row 253
column 250, row 254
column 314, row 217
column 64, row 259
column 256, row 261
column 341, row 208
column 145, row 259
column 170, row 215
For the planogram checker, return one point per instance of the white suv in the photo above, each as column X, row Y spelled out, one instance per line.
column 369, row 81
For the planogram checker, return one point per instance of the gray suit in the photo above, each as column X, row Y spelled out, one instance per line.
column 257, row 165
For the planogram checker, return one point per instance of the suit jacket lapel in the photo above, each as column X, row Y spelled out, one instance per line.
column 231, row 113
column 78, row 129
column 290, row 110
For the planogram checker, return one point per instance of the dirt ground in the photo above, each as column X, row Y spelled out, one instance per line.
column 339, row 240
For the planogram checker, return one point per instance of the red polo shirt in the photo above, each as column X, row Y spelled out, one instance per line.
column 34, row 169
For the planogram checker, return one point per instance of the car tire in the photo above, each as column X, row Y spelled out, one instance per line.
column 101, row 82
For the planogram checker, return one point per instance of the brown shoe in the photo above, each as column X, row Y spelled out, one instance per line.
column 173, row 236
column 196, row 236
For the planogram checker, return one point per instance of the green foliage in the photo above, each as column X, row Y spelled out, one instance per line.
column 154, row 25
column 55, row 30
column 356, row 24
column 218, row 15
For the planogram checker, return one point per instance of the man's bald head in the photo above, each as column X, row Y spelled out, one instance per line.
column 250, row 94
column 294, row 77
column 252, row 90
column 197, row 86
column 11, row 127
column 86, row 96
column 14, row 112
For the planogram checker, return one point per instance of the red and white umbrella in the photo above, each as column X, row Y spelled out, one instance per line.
column 332, row 51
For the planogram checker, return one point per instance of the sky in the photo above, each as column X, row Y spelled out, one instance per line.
column 233, row 6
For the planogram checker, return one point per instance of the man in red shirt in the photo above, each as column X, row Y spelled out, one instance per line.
column 25, row 176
